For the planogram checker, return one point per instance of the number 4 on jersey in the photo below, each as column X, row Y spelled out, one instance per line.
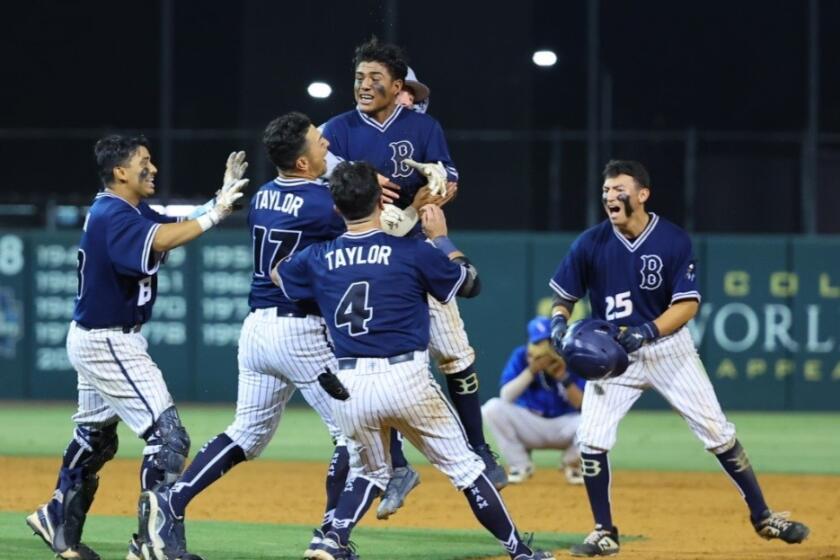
column 353, row 311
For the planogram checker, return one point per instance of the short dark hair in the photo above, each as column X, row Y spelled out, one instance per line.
column 616, row 167
column 114, row 150
column 355, row 189
column 285, row 139
column 390, row 56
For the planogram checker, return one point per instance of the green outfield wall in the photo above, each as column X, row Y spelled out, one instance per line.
column 768, row 329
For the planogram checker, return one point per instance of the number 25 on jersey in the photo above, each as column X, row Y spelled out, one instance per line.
column 619, row 306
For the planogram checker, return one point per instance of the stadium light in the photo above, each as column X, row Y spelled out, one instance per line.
column 319, row 90
column 544, row 58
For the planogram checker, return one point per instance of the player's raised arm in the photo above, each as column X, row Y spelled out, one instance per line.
column 169, row 236
column 434, row 226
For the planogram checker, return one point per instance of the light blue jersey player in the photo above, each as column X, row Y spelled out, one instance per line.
column 283, row 344
column 388, row 136
column 122, row 246
column 373, row 289
column 640, row 273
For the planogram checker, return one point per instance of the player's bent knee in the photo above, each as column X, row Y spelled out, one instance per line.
column 169, row 443
column 101, row 443
column 587, row 448
column 493, row 408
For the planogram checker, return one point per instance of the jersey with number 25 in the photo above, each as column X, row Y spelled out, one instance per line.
column 117, row 266
column 287, row 215
column 629, row 282
column 373, row 290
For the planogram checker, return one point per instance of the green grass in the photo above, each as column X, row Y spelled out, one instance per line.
column 108, row 535
column 776, row 442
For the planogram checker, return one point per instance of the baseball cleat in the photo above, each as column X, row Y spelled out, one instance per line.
column 135, row 548
column 494, row 471
column 402, row 482
column 162, row 532
column 777, row 525
column 44, row 526
column 518, row 475
column 331, row 548
column 317, row 537
column 599, row 542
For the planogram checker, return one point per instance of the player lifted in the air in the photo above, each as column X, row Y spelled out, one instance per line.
column 408, row 149
column 123, row 245
column 373, row 290
column 641, row 274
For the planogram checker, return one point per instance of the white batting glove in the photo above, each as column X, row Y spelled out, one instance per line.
column 225, row 199
column 235, row 168
column 398, row 222
column 435, row 175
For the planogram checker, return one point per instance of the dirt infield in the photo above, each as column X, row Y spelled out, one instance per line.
column 680, row 515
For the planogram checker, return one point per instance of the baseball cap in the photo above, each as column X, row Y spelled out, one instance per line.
column 421, row 90
column 539, row 329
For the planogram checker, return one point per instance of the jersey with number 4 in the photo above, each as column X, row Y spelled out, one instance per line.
column 287, row 215
column 629, row 282
column 406, row 134
column 373, row 290
column 117, row 267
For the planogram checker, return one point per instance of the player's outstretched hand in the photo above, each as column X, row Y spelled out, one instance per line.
column 632, row 338
column 559, row 326
column 234, row 168
column 433, row 220
column 230, row 193
column 435, row 175
column 390, row 191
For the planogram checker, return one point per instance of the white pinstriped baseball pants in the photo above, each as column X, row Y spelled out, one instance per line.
column 672, row 366
column 406, row 397
column 448, row 342
column 277, row 355
column 116, row 378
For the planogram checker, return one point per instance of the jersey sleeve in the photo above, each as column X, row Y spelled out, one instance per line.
column 439, row 276
column 155, row 216
column 684, row 284
column 294, row 276
column 129, row 240
column 569, row 281
column 438, row 150
column 517, row 362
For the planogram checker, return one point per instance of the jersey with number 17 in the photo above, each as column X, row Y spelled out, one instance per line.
column 117, row 266
column 287, row 215
column 629, row 282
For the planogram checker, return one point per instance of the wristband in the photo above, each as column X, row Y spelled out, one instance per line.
column 208, row 220
column 203, row 209
column 444, row 244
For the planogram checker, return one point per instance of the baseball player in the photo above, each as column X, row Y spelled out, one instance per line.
column 538, row 406
column 283, row 344
column 393, row 139
column 122, row 246
column 373, row 289
column 640, row 272
column 414, row 94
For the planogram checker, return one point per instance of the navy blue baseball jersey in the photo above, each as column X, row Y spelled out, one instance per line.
column 629, row 282
column 545, row 396
column 117, row 267
column 354, row 136
column 287, row 215
column 372, row 288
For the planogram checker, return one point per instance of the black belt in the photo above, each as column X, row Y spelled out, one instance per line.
column 350, row 363
column 126, row 329
column 281, row 313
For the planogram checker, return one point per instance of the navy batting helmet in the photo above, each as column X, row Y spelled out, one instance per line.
column 591, row 350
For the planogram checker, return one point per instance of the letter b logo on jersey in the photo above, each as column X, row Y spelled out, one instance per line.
column 144, row 295
column 400, row 151
column 651, row 272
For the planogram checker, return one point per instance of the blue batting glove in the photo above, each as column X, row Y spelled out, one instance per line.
column 558, row 331
column 632, row 338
